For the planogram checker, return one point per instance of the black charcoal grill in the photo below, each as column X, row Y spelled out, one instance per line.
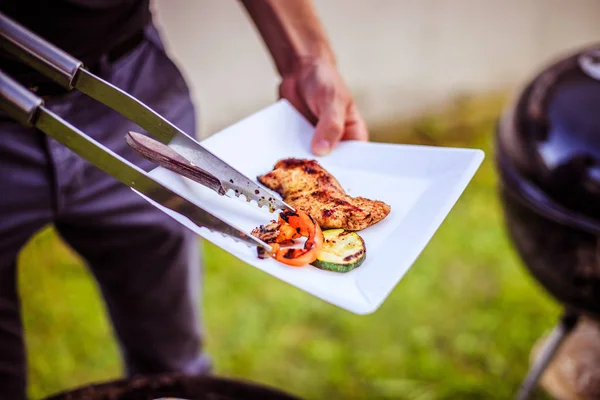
column 174, row 387
column 548, row 159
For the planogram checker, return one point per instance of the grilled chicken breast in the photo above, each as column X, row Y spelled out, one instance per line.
column 305, row 185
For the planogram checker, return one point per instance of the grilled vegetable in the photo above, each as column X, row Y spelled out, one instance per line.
column 291, row 225
column 342, row 251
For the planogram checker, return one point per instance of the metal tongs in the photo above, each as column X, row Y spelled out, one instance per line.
column 174, row 149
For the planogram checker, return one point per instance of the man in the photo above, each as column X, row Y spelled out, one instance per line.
column 146, row 264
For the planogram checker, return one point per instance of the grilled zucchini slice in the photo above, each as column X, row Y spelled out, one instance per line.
column 342, row 251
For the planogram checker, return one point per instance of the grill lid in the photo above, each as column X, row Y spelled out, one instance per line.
column 549, row 142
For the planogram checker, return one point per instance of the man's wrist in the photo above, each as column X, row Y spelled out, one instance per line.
column 296, row 62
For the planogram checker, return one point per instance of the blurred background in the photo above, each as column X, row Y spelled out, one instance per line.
column 399, row 57
column 461, row 324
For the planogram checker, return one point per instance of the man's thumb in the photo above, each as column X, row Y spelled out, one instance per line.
column 329, row 130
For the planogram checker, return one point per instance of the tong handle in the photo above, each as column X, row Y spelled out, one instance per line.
column 38, row 53
column 18, row 102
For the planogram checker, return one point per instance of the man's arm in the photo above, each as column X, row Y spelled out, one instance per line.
column 292, row 32
column 303, row 56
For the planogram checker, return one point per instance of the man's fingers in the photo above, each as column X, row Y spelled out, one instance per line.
column 330, row 128
column 356, row 128
column 336, row 123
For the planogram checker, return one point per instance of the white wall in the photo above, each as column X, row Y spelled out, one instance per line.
column 398, row 56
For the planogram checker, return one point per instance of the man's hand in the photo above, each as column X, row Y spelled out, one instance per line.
column 302, row 53
column 318, row 91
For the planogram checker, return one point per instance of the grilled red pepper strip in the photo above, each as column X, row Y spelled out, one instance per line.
column 303, row 225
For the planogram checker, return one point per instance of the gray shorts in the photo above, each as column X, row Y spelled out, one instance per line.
column 146, row 264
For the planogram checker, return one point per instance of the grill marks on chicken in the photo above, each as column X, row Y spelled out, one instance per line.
column 307, row 186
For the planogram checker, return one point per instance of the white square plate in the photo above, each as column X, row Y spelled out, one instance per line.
column 421, row 183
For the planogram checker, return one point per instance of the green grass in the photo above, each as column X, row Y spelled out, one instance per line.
column 460, row 325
